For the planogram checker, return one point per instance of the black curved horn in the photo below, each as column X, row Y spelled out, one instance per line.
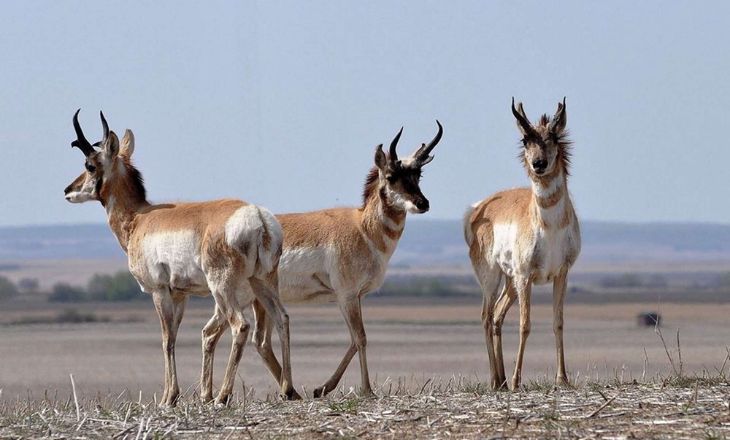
column 81, row 143
column 104, row 125
column 521, row 118
column 425, row 150
column 558, row 121
column 391, row 152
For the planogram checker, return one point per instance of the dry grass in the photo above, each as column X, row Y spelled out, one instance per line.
column 693, row 407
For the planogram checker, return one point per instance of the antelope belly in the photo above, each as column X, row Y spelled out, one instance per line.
column 173, row 259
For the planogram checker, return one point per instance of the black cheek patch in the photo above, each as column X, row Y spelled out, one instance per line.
column 97, row 190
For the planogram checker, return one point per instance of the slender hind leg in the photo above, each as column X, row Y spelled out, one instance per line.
column 559, row 287
column 239, row 333
column 267, row 294
column 332, row 382
column 262, row 340
column 489, row 282
column 352, row 312
column 505, row 301
column 211, row 334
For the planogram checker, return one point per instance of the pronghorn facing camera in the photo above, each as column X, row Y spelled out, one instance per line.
column 343, row 253
column 525, row 236
column 225, row 247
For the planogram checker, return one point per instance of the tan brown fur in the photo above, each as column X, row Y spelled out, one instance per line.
column 523, row 236
column 359, row 242
column 225, row 247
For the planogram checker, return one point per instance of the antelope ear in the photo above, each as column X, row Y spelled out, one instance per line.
column 381, row 161
column 127, row 143
column 111, row 145
column 557, row 125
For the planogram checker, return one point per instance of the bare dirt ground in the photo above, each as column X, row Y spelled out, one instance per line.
column 411, row 341
column 427, row 360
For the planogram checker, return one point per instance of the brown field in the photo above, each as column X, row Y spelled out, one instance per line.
column 407, row 341
column 427, row 361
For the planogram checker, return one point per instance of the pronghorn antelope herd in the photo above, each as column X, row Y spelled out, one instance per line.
column 244, row 256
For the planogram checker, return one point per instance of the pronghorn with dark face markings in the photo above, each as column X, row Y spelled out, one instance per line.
column 343, row 253
column 525, row 236
column 225, row 247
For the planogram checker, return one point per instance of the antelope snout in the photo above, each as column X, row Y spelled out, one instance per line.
column 539, row 165
column 72, row 196
column 422, row 205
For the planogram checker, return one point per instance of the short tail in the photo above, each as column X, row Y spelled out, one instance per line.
column 468, row 233
column 271, row 243
column 256, row 234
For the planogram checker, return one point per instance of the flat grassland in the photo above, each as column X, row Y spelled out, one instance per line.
column 427, row 361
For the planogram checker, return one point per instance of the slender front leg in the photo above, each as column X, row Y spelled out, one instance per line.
column 351, row 311
column 523, row 287
column 179, row 302
column 211, row 334
column 267, row 294
column 170, row 313
column 504, row 303
column 353, row 316
column 559, row 288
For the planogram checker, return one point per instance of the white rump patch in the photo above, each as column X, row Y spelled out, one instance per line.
column 468, row 234
column 243, row 226
column 245, row 230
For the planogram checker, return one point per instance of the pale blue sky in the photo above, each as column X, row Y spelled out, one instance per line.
column 282, row 103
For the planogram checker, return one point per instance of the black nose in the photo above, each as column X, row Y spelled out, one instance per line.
column 67, row 190
column 539, row 165
column 422, row 205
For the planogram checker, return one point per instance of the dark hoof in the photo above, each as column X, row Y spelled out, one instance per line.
column 222, row 401
column 367, row 394
column 319, row 392
column 291, row 395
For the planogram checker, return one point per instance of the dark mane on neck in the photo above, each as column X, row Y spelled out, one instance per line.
column 564, row 152
column 371, row 185
column 135, row 182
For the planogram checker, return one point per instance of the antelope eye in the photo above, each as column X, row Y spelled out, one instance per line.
column 90, row 168
column 391, row 178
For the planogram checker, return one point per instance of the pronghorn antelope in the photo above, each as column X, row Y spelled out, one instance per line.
column 526, row 236
column 225, row 247
column 344, row 252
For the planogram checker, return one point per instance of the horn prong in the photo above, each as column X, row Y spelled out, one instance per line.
column 423, row 153
column 81, row 143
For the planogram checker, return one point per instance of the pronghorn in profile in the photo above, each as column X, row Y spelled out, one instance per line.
column 344, row 252
column 225, row 247
column 525, row 236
